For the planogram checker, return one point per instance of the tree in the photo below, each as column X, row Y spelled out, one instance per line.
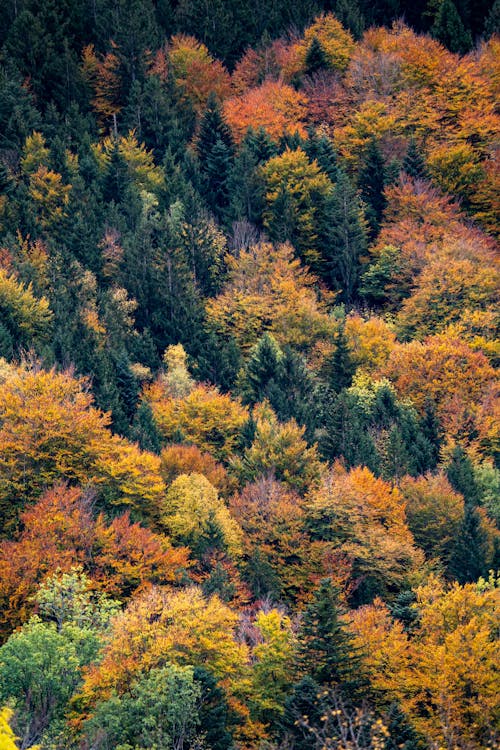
column 316, row 58
column 263, row 371
column 414, row 163
column 213, row 127
column 448, row 28
column 345, row 237
column 194, row 515
column 339, row 369
column 325, row 646
column 371, row 180
column 161, row 709
column 364, row 518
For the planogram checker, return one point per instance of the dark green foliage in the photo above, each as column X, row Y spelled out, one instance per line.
column 449, row 29
column 460, row 475
column 214, row 713
column 303, row 701
column 414, row 162
column 246, row 186
column 339, row 369
column 469, row 558
column 260, row 145
column 316, row 58
column 492, row 22
column 349, row 14
column 321, row 148
column 402, row 609
column 432, row 432
column 326, row 650
column 372, row 183
column 212, row 128
column 262, row 374
column 402, row 736
column 143, row 429
column 345, row 237
column 217, row 170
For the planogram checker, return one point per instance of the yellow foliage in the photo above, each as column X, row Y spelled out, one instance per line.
column 205, row 417
column 192, row 510
column 35, row 153
column 51, row 196
column 268, row 290
column 140, row 162
column 371, row 341
column 337, row 43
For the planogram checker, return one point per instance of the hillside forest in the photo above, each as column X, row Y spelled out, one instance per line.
column 249, row 394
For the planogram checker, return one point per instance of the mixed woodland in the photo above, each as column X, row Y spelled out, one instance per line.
column 249, row 394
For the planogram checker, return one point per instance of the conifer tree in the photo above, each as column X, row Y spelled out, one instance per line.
column 260, row 144
column 345, row 240
column 460, row 475
column 326, row 652
column 349, row 14
column 469, row 557
column 340, row 368
column 217, row 170
column 316, row 58
column 320, row 147
column 263, row 371
column 448, row 28
column 414, row 163
column 372, row 183
column 212, row 128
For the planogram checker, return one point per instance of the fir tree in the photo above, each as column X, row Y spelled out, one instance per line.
column 372, row 183
column 432, row 432
column 469, row 557
column 316, row 58
column 449, row 29
column 144, row 429
column 260, row 144
column 414, row 163
column 217, row 170
column 326, row 652
column 349, row 14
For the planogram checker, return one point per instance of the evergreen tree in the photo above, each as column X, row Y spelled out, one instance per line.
column 349, row 14
column 260, row 144
column 372, row 184
column 316, row 58
column 345, row 237
column 304, row 700
column 214, row 713
column 246, row 187
column 448, row 28
column 212, row 128
column 320, row 147
column 263, row 372
column 340, row 369
column 282, row 224
column 116, row 179
column 460, row 473
column 432, row 432
column 469, row 557
column 414, row 163
column 144, row 429
column 326, row 651
column 217, row 170
column 492, row 22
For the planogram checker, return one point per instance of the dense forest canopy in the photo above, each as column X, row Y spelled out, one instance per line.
column 249, row 403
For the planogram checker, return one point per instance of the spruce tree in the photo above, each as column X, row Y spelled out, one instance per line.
column 339, row 369
column 263, row 371
column 414, row 163
column 144, row 429
column 260, row 144
column 469, row 557
column 345, row 240
column 213, row 127
column 316, row 58
column 349, row 14
column 460, row 473
column 448, row 28
column 217, row 170
column 372, row 183
column 320, row 147
column 432, row 432
column 326, row 651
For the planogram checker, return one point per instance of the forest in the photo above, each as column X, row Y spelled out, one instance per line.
column 249, row 393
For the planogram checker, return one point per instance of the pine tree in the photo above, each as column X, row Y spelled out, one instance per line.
column 345, row 240
column 316, row 58
column 372, row 183
column 213, row 127
column 448, row 28
column 326, row 652
column 414, row 163
column 260, row 144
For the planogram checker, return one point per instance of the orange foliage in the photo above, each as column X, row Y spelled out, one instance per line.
column 60, row 532
column 274, row 106
column 196, row 71
column 189, row 459
column 447, row 370
column 103, row 76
